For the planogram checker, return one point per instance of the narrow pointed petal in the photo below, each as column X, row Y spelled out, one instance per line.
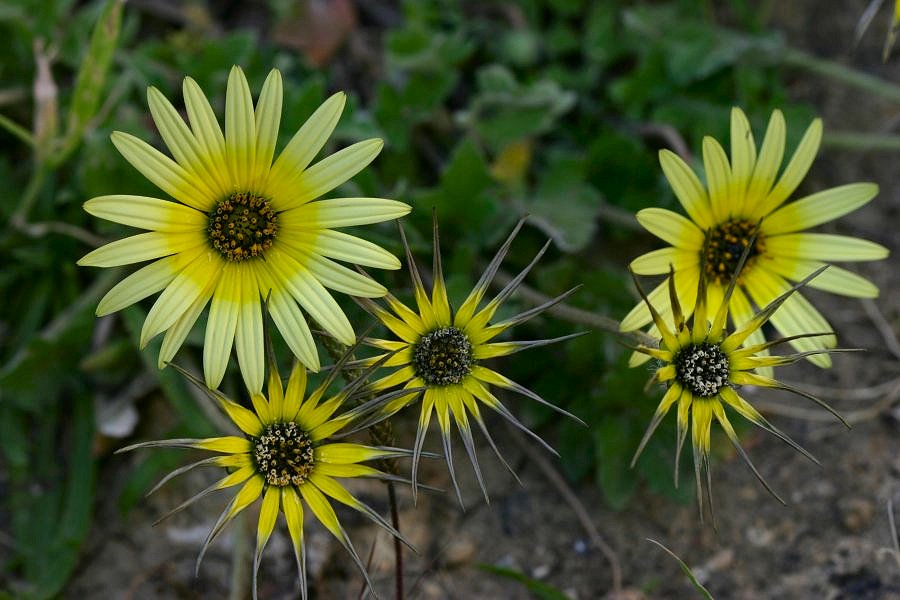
column 221, row 327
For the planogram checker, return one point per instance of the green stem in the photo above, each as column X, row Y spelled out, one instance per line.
column 851, row 140
column 29, row 196
column 841, row 73
column 239, row 588
column 17, row 130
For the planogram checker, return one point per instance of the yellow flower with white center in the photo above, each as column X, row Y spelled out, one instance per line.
column 242, row 228
column 285, row 457
column 440, row 355
column 703, row 366
column 744, row 199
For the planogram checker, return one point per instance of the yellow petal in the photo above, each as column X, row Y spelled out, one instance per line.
column 240, row 130
column 819, row 208
column 330, row 172
column 672, row 228
column 687, row 187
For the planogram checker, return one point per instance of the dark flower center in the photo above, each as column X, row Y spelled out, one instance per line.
column 702, row 368
column 725, row 243
column 283, row 454
column 242, row 226
column 443, row 356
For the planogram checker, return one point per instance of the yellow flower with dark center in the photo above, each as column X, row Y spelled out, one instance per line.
column 441, row 354
column 286, row 458
column 703, row 366
column 244, row 227
column 743, row 200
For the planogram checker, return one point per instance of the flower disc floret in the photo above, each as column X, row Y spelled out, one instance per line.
column 725, row 243
column 443, row 356
column 284, row 454
column 702, row 368
column 242, row 226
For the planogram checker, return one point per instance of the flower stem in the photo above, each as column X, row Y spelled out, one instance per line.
column 239, row 588
column 841, row 73
column 398, row 546
column 381, row 434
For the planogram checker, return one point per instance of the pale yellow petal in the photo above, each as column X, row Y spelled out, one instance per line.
column 141, row 247
column 162, row 171
column 147, row 213
column 248, row 338
column 209, row 137
column 348, row 248
column 718, row 180
column 824, row 247
column 819, row 208
column 329, row 173
column 140, row 284
column 743, row 159
column 179, row 295
column 687, row 187
column 672, row 228
column 267, row 119
column 343, row 212
column 221, row 326
column 180, row 141
column 240, row 130
column 304, row 146
column 796, row 169
column 658, row 262
column 767, row 166
column 312, row 296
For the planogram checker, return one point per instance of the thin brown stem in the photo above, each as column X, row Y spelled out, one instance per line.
column 578, row 508
column 398, row 546
column 381, row 434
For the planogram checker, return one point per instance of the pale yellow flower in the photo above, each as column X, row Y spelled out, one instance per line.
column 745, row 198
column 244, row 227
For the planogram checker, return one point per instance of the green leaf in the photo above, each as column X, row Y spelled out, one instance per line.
column 612, row 443
column 172, row 383
column 540, row 589
column 461, row 195
column 687, row 571
column 90, row 82
column 564, row 206
column 504, row 111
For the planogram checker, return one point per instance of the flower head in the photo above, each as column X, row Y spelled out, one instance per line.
column 243, row 227
column 744, row 199
column 703, row 365
column 284, row 456
column 440, row 355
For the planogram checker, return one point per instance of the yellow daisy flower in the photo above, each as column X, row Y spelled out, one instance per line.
column 243, row 228
column 440, row 354
column 703, row 366
column 744, row 199
column 285, row 456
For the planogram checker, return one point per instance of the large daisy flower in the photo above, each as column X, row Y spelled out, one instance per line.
column 242, row 228
column 744, row 199
column 285, row 457
column 703, row 367
column 440, row 355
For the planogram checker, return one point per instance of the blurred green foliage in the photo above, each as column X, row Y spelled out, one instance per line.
column 556, row 108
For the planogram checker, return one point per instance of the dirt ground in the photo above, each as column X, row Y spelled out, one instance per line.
column 826, row 544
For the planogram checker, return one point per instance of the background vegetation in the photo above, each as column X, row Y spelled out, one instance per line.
column 555, row 108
